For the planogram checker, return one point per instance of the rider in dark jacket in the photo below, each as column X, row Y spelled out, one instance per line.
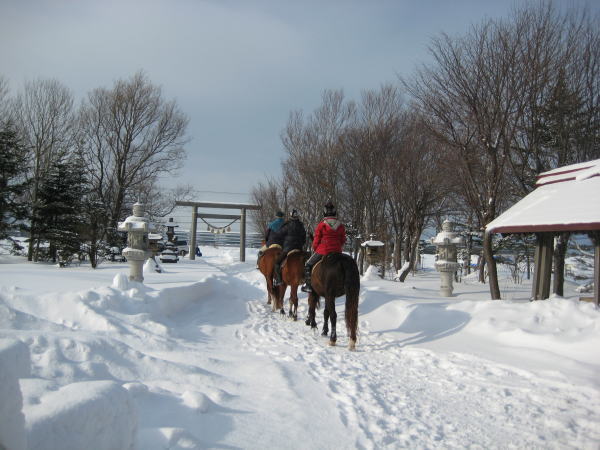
column 274, row 234
column 294, row 237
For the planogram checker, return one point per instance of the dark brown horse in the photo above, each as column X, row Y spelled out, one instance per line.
column 292, row 275
column 335, row 275
column 266, row 265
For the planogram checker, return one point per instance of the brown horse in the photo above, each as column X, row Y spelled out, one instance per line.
column 292, row 275
column 266, row 265
column 335, row 275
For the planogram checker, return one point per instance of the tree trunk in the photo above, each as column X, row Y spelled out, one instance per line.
column 492, row 272
column 361, row 261
column 398, row 252
column 481, row 267
column 413, row 255
column 467, row 262
column 560, row 251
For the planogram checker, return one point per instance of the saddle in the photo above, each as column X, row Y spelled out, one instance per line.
column 291, row 252
column 316, row 264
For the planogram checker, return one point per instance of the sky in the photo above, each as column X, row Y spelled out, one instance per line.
column 195, row 358
column 236, row 68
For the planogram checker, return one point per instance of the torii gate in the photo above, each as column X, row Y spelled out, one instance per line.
column 243, row 207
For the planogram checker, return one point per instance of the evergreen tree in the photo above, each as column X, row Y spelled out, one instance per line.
column 13, row 182
column 61, row 209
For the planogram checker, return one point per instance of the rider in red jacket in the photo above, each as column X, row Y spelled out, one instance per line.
column 330, row 237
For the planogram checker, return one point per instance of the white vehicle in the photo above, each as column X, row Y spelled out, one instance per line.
column 182, row 248
column 169, row 254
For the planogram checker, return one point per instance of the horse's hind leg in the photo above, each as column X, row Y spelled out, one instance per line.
column 312, row 306
column 293, row 313
column 325, row 331
column 330, row 307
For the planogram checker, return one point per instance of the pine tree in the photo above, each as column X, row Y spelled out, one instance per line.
column 60, row 214
column 13, row 168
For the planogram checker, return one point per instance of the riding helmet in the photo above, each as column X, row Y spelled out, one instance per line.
column 294, row 214
column 329, row 210
column 279, row 214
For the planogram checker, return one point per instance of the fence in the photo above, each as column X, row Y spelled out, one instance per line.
column 230, row 239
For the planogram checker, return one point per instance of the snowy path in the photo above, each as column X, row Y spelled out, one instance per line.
column 388, row 395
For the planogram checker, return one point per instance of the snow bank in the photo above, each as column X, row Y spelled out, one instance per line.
column 14, row 364
column 90, row 414
column 566, row 327
column 371, row 274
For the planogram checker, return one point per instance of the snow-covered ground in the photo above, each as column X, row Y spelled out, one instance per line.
column 194, row 358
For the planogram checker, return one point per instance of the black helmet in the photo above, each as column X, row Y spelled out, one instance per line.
column 294, row 214
column 279, row 214
column 329, row 210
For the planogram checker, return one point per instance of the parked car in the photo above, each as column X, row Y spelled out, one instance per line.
column 182, row 248
column 115, row 255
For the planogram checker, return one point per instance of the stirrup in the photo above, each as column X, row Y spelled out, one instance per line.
column 306, row 288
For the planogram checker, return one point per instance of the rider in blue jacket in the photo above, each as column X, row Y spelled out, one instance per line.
column 272, row 234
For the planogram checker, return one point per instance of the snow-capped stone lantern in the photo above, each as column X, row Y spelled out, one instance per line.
column 446, row 242
column 171, row 229
column 136, row 251
column 374, row 251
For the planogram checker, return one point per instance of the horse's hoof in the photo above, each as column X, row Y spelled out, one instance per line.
column 314, row 327
column 332, row 343
column 307, row 322
column 352, row 345
column 324, row 333
column 282, row 312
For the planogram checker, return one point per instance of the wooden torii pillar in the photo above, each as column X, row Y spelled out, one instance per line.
column 540, row 288
column 243, row 207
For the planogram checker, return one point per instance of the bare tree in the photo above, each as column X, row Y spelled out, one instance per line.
column 423, row 193
column 129, row 136
column 312, row 168
column 559, row 58
column 469, row 97
column 4, row 103
column 44, row 117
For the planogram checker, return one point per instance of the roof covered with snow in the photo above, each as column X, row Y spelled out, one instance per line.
column 566, row 199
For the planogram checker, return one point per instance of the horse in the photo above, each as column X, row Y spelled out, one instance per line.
column 266, row 265
column 292, row 274
column 335, row 275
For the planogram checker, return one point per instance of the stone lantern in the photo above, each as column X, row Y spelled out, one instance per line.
column 171, row 229
column 374, row 250
column 136, row 251
column 446, row 242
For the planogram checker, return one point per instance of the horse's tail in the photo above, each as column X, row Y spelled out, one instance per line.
column 352, row 287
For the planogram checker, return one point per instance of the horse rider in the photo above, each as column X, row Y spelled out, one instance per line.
column 272, row 235
column 294, row 237
column 330, row 237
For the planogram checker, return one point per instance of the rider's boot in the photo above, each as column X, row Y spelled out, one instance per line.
column 306, row 287
column 277, row 278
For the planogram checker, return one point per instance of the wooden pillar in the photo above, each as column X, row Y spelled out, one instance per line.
column 243, row 235
column 540, row 288
column 193, row 234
